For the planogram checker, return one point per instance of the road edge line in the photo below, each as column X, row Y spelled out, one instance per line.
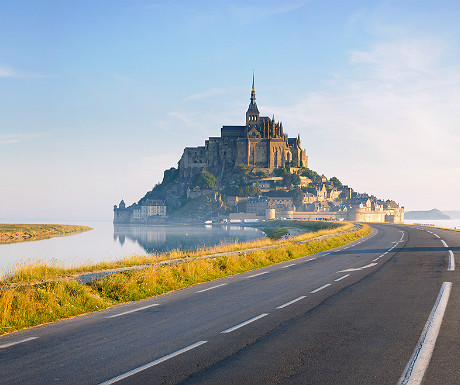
column 418, row 363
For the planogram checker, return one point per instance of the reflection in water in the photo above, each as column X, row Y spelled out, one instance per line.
column 161, row 238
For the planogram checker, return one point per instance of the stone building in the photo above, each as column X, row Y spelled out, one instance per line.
column 260, row 143
column 151, row 210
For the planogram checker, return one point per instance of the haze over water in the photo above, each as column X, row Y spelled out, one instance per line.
column 108, row 242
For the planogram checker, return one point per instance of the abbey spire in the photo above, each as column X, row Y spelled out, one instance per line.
column 252, row 115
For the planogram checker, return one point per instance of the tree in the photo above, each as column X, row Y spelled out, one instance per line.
column 205, row 180
column 295, row 179
column 335, row 181
column 287, row 180
column 311, row 188
column 310, row 174
column 297, row 196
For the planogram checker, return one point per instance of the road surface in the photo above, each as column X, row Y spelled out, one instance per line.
column 381, row 310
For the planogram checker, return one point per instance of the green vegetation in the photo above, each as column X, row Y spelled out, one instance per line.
column 205, row 180
column 25, row 305
column 29, row 232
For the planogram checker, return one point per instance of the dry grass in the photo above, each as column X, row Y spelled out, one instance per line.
column 28, row 232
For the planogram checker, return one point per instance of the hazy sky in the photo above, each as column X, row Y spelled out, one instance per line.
column 97, row 98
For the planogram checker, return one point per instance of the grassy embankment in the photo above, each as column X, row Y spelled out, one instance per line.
column 29, row 232
column 28, row 305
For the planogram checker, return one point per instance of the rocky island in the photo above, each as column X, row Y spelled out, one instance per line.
column 249, row 173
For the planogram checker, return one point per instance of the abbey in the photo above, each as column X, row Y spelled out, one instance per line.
column 260, row 143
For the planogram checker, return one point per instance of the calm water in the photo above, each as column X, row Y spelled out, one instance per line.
column 110, row 242
column 446, row 223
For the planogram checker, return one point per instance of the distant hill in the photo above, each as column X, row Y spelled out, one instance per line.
column 453, row 214
column 430, row 214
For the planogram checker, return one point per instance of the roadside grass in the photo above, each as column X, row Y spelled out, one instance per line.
column 26, row 306
column 36, row 271
column 30, row 305
column 27, row 232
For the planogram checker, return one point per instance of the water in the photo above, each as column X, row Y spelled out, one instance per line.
column 108, row 242
column 446, row 223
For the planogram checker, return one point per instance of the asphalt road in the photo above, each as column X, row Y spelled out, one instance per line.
column 353, row 315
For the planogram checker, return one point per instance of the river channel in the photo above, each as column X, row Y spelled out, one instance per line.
column 108, row 242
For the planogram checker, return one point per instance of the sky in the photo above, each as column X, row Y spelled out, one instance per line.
column 98, row 98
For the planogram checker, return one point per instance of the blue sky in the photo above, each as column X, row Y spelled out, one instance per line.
column 97, row 98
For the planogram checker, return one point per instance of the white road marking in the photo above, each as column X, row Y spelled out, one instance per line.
column 291, row 302
column 310, row 259
column 131, row 311
column 229, row 330
column 256, row 275
column 417, row 365
column 153, row 363
column 17, row 342
column 436, row 235
column 376, row 259
column 284, row 267
column 451, row 261
column 320, row 288
column 342, row 277
column 444, row 243
column 326, row 254
column 210, row 288
column 358, row 268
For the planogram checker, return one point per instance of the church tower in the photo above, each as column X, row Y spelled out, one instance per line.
column 252, row 115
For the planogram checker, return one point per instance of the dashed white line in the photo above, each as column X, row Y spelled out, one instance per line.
column 290, row 302
column 211, row 288
column 131, row 311
column 284, row 267
column 342, row 277
column 451, row 261
column 229, row 330
column 256, row 275
column 310, row 259
column 358, row 268
column 417, row 365
column 320, row 288
column 326, row 254
column 153, row 363
column 436, row 235
column 17, row 342
column 444, row 243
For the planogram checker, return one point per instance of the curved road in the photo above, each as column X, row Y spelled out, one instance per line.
column 364, row 313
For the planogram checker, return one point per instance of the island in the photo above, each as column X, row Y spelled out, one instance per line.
column 251, row 173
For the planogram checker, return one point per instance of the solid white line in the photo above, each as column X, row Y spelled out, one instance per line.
column 451, row 261
column 153, row 363
column 17, row 342
column 320, row 288
column 229, row 330
column 291, row 302
column 342, row 277
column 284, row 267
column 210, row 288
column 444, row 243
column 131, row 311
column 376, row 259
column 256, row 275
column 417, row 365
